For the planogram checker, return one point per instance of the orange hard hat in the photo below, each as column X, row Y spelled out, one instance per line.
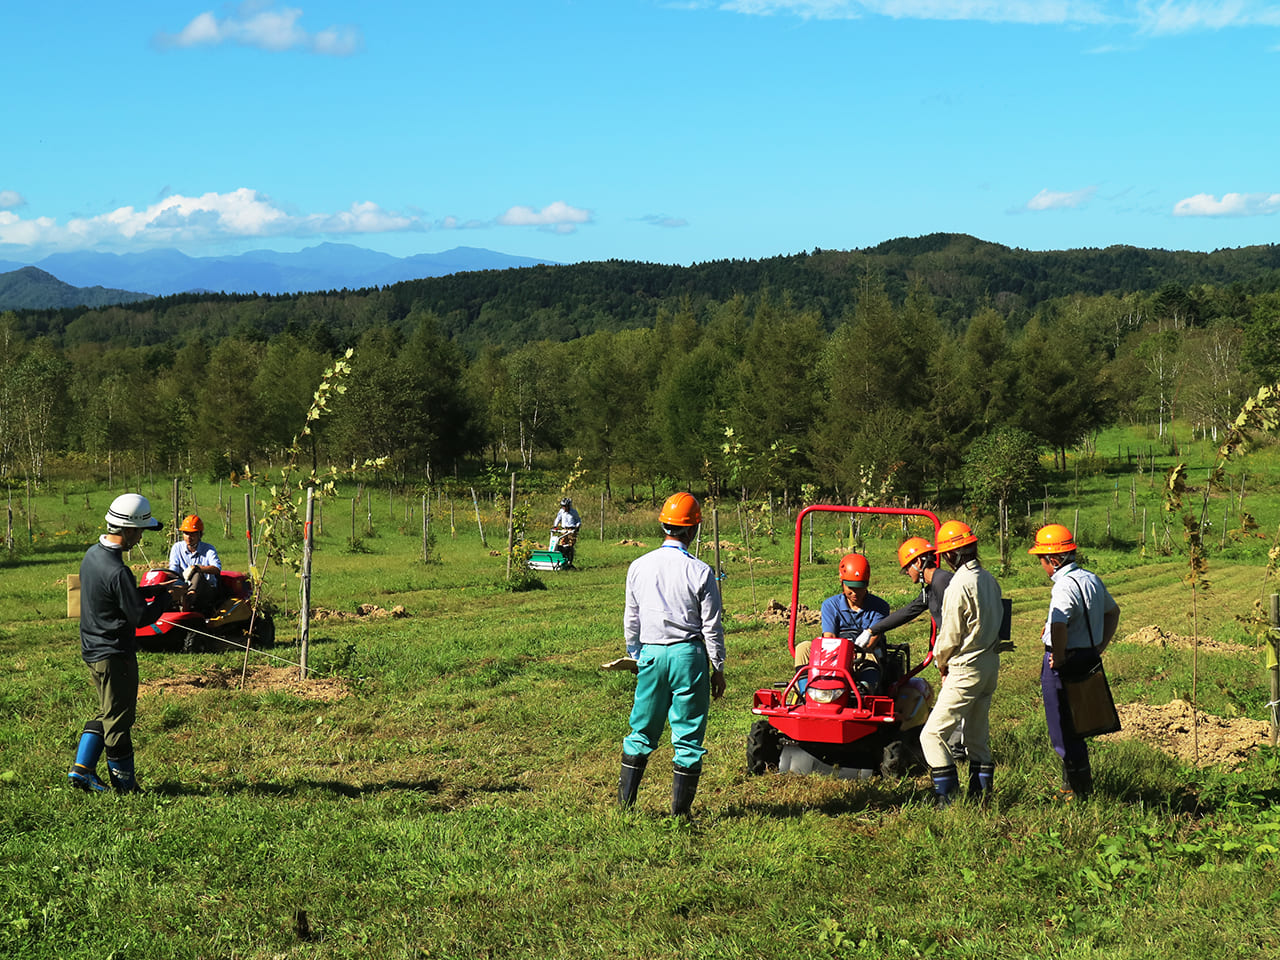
column 855, row 570
column 681, row 510
column 954, row 534
column 912, row 548
column 192, row 524
column 1053, row 538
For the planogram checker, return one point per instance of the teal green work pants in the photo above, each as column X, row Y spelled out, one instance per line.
column 673, row 685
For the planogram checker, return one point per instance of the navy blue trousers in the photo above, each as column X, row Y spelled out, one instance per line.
column 1062, row 735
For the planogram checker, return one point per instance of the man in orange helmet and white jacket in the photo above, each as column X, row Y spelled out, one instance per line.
column 1082, row 619
column 674, row 629
column 966, row 655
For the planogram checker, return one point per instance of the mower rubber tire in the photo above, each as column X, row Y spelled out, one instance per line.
column 192, row 642
column 764, row 748
column 894, row 762
column 264, row 631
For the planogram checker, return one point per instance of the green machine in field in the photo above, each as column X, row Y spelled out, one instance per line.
column 559, row 552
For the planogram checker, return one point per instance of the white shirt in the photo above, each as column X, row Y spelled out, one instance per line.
column 202, row 556
column 1077, row 593
column 567, row 518
column 672, row 597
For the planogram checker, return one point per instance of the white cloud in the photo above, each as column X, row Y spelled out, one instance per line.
column 992, row 11
column 254, row 24
column 182, row 221
column 453, row 223
column 1183, row 16
column 11, row 200
column 662, row 220
column 1061, row 200
column 1231, row 205
column 557, row 217
column 1147, row 16
column 213, row 217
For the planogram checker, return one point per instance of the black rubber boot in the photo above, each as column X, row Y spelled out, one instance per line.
column 1077, row 781
column 981, row 781
column 946, row 784
column 684, row 787
column 629, row 781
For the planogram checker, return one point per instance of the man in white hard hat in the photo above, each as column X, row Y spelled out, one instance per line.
column 111, row 611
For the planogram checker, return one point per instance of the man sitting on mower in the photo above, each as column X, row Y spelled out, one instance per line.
column 852, row 613
column 197, row 563
column 565, row 529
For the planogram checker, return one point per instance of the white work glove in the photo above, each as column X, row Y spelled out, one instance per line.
column 189, row 574
column 865, row 640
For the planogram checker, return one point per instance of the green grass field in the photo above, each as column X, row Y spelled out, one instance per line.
column 460, row 801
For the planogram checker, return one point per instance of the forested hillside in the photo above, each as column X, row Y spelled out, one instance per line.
column 865, row 374
column 33, row 287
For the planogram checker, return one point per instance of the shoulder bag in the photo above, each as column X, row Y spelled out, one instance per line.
column 1093, row 711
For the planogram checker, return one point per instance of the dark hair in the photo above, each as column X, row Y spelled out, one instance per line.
column 679, row 532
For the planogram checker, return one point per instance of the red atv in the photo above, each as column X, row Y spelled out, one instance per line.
column 820, row 721
column 229, row 626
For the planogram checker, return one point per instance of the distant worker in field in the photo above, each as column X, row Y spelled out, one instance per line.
column 1082, row 620
column 111, row 611
column 565, row 529
column 197, row 563
column 674, row 630
column 965, row 651
column 853, row 613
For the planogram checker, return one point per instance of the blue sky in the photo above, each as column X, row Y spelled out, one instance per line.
column 663, row 130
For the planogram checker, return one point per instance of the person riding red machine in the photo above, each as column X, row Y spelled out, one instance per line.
column 198, row 564
column 824, row 719
column 853, row 613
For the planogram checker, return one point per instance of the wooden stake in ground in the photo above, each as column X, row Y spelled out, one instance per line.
column 715, row 532
column 426, row 528
column 1272, row 667
column 248, row 527
column 307, row 540
column 746, row 545
column 476, row 503
column 511, row 524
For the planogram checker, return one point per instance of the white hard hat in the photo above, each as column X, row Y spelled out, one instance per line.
column 132, row 510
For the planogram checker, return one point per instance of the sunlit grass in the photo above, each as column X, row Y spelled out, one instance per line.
column 460, row 799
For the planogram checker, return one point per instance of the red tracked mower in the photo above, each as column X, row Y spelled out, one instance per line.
column 230, row 625
column 820, row 721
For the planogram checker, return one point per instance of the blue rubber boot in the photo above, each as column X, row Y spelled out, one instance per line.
column 946, row 784
column 84, row 772
column 981, row 781
column 122, row 775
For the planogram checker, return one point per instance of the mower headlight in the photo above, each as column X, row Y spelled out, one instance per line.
column 826, row 695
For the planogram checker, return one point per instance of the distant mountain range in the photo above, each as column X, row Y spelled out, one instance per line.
column 328, row 266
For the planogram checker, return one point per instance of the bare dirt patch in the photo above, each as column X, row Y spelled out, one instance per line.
column 1155, row 636
column 630, row 543
column 777, row 612
column 366, row 611
column 1223, row 741
column 256, row 680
